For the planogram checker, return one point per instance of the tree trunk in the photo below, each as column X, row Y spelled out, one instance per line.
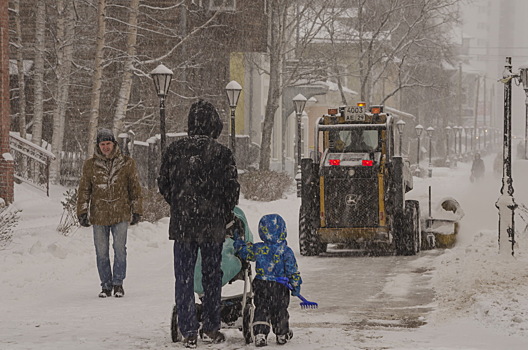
column 97, row 76
column 38, row 75
column 21, row 72
column 274, row 91
column 126, row 83
column 65, row 37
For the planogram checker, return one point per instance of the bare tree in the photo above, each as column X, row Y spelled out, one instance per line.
column 64, row 53
column 21, row 71
column 126, row 82
column 284, row 17
column 38, row 72
column 98, row 74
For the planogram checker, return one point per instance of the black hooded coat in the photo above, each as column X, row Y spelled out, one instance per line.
column 198, row 178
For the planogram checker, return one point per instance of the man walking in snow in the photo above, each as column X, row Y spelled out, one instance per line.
column 109, row 197
column 198, row 178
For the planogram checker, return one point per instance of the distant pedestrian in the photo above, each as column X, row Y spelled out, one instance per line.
column 274, row 259
column 198, row 178
column 477, row 168
column 109, row 198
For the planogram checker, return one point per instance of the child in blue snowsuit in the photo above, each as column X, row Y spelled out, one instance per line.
column 273, row 259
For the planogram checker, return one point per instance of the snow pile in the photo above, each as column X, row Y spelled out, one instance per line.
column 475, row 281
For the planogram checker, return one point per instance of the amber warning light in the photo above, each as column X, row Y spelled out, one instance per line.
column 361, row 104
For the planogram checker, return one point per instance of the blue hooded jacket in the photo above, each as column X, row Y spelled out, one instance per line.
column 273, row 257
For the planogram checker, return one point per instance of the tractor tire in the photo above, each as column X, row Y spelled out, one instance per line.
column 309, row 244
column 409, row 230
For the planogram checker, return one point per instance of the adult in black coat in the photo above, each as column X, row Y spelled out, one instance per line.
column 198, row 178
column 477, row 168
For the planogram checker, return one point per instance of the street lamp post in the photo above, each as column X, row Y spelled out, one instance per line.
column 162, row 76
column 506, row 203
column 430, row 131
column 233, row 90
column 419, row 130
column 448, row 133
column 523, row 78
column 455, row 144
column 459, row 132
column 465, row 139
column 299, row 102
column 400, row 125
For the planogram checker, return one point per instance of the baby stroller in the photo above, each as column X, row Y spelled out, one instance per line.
column 234, row 269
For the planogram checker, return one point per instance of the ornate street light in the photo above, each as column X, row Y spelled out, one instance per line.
column 162, row 77
column 419, row 129
column 455, row 134
column 299, row 102
column 430, row 131
column 400, row 125
column 448, row 133
column 233, row 90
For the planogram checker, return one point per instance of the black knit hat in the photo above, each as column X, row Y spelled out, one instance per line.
column 105, row 135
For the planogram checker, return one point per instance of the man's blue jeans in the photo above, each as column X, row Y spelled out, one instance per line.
column 185, row 255
column 102, row 246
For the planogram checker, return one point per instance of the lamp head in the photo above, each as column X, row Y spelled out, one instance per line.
column 162, row 77
column 400, row 125
column 299, row 102
column 419, row 129
column 233, row 90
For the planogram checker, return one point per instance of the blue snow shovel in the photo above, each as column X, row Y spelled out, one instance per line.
column 305, row 304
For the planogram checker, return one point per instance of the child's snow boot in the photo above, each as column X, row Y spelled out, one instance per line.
column 283, row 338
column 190, row 341
column 260, row 340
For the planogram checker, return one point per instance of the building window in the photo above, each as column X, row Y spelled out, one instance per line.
column 222, row 5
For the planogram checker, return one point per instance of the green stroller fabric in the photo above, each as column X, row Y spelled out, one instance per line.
column 231, row 265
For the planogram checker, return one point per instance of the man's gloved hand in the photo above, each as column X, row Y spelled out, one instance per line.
column 83, row 220
column 135, row 219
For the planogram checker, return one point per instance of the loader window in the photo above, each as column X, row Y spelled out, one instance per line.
column 356, row 140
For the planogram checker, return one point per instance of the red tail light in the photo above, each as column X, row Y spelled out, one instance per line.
column 367, row 162
column 334, row 161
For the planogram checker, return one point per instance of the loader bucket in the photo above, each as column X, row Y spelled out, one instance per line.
column 443, row 222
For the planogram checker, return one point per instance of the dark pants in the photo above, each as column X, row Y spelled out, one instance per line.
column 271, row 305
column 185, row 255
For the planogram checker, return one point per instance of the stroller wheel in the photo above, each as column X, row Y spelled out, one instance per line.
column 247, row 320
column 175, row 332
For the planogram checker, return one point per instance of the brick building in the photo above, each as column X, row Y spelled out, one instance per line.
column 6, row 162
